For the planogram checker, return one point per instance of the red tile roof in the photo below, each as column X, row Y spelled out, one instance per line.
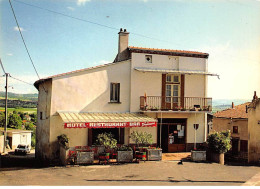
column 168, row 50
column 238, row 111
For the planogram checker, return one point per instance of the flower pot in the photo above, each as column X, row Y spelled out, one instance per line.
column 124, row 156
column 154, row 154
column 198, row 155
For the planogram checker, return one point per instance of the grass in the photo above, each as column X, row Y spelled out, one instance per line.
column 28, row 110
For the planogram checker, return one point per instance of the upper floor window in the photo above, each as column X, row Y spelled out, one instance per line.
column 115, row 92
column 235, row 129
column 173, row 79
column 148, row 59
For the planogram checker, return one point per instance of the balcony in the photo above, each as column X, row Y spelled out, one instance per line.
column 159, row 103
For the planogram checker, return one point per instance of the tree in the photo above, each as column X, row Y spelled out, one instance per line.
column 219, row 142
column 107, row 140
column 15, row 121
column 142, row 138
column 2, row 119
column 33, row 117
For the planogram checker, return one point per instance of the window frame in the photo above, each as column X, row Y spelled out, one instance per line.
column 235, row 129
column 114, row 92
column 151, row 59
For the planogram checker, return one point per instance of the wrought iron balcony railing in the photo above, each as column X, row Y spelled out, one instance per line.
column 175, row 103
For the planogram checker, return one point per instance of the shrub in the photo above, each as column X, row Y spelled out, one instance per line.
column 219, row 142
column 63, row 139
column 141, row 138
column 107, row 140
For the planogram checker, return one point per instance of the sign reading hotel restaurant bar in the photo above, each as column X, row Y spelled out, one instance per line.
column 110, row 124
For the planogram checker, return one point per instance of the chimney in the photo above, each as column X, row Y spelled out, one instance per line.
column 233, row 106
column 255, row 97
column 122, row 45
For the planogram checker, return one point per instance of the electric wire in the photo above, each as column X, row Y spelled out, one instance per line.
column 24, row 41
column 91, row 22
column 20, row 80
column 2, row 66
column 110, row 27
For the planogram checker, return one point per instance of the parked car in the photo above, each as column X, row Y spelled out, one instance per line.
column 22, row 149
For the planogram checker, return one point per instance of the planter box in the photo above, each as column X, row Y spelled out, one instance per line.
column 64, row 155
column 124, row 156
column 84, row 157
column 198, row 155
column 154, row 154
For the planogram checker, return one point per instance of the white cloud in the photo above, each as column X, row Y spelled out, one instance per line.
column 9, row 54
column 71, row 8
column 16, row 29
column 82, row 2
column 101, row 62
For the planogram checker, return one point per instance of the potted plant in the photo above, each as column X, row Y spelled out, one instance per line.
column 144, row 140
column 198, row 154
column 107, row 140
column 124, row 154
column 218, row 144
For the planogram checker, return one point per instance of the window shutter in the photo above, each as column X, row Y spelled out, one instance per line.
column 111, row 91
column 118, row 93
column 182, row 90
column 163, row 90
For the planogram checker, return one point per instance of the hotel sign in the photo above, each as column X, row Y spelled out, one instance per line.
column 109, row 124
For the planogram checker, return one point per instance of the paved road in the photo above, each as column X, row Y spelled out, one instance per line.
column 148, row 173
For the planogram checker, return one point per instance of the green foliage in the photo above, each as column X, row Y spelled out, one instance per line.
column 124, row 148
column 142, row 138
column 219, row 142
column 107, row 140
column 15, row 121
column 33, row 117
column 63, row 139
column 2, row 119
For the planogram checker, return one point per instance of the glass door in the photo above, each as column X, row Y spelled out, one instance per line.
column 172, row 95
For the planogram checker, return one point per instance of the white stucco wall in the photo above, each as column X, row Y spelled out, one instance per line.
column 151, row 83
column 89, row 91
column 192, row 118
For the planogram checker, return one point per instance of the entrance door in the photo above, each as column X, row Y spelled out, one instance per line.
column 172, row 96
column 235, row 143
column 176, row 138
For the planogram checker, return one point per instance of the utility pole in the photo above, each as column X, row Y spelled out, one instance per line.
column 6, row 114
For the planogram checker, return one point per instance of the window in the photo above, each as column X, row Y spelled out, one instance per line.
column 235, row 129
column 148, row 58
column 40, row 115
column 115, row 92
column 173, row 79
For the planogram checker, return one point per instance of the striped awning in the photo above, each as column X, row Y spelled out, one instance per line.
column 189, row 72
column 106, row 120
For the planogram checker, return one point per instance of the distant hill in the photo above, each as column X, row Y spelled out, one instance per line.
column 21, row 97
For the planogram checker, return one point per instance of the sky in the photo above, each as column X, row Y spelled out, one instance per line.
column 67, row 35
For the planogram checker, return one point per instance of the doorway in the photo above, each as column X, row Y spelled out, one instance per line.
column 173, row 135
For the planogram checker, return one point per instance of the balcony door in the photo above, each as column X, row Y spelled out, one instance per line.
column 172, row 91
column 172, row 96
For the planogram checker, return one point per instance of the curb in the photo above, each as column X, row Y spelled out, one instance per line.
column 253, row 181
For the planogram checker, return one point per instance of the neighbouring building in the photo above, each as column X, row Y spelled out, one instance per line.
column 16, row 137
column 160, row 91
column 234, row 119
column 254, row 130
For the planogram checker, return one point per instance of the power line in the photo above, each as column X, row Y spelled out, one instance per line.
column 80, row 19
column 20, row 80
column 2, row 66
column 24, row 41
column 91, row 22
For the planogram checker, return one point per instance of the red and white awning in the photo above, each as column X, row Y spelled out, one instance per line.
column 106, row 120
